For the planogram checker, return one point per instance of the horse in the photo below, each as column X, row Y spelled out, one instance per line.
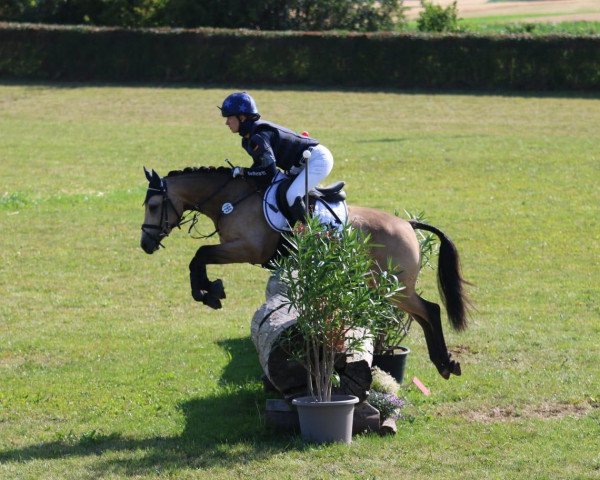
column 235, row 207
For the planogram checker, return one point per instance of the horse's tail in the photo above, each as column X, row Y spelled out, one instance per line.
column 450, row 281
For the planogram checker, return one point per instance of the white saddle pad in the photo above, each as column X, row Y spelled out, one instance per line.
column 279, row 223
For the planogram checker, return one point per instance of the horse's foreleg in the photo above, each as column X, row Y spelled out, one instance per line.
column 205, row 291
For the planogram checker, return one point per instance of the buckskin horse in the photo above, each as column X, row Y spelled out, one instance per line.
column 235, row 207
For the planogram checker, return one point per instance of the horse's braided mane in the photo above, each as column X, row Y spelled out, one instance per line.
column 199, row 170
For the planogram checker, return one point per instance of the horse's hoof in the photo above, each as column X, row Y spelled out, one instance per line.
column 212, row 302
column 456, row 368
column 198, row 295
column 453, row 368
column 217, row 289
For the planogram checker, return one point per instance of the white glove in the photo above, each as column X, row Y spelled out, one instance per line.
column 237, row 172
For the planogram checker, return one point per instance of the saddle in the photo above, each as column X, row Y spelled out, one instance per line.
column 333, row 193
column 326, row 203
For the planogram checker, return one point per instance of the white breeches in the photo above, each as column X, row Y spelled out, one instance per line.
column 320, row 164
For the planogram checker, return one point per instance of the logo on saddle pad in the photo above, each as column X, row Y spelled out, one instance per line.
column 328, row 204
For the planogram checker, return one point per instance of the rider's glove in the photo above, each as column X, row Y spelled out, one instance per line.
column 237, row 172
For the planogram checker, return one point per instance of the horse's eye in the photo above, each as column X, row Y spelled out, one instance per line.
column 152, row 208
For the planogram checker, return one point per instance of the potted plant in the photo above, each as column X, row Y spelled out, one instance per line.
column 388, row 353
column 388, row 404
column 384, row 397
column 340, row 297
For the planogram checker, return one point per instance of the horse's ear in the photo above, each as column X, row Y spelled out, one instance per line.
column 154, row 180
column 148, row 175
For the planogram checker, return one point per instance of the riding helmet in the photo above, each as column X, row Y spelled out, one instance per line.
column 239, row 103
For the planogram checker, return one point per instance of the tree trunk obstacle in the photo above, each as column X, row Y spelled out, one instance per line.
column 271, row 321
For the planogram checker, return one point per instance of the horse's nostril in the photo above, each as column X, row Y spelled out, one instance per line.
column 146, row 247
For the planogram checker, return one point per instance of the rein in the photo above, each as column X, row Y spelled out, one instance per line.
column 226, row 209
column 196, row 212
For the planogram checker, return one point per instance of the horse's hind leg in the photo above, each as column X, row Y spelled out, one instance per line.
column 427, row 314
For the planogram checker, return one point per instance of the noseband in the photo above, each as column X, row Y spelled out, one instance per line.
column 164, row 228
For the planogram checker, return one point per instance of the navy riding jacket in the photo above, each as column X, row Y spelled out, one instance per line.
column 272, row 146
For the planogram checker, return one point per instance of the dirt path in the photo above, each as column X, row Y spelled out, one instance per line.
column 541, row 10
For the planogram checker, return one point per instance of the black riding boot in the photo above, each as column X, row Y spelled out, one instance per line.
column 297, row 211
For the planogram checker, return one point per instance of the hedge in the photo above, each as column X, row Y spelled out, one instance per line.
column 396, row 61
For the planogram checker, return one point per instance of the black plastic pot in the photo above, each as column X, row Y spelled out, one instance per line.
column 393, row 362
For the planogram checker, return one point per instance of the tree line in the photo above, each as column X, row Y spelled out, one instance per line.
column 307, row 15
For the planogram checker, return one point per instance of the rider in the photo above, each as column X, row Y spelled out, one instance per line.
column 272, row 146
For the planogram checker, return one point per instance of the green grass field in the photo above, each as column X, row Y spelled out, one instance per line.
column 109, row 369
column 576, row 17
column 518, row 24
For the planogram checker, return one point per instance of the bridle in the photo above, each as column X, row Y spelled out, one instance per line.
column 164, row 227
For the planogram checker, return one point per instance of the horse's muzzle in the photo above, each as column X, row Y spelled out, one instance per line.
column 149, row 245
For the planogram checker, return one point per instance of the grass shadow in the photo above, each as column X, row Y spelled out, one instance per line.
column 243, row 361
column 220, row 431
column 482, row 91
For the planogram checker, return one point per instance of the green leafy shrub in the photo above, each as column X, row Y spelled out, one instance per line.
column 339, row 298
column 513, row 28
column 435, row 18
column 428, row 244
